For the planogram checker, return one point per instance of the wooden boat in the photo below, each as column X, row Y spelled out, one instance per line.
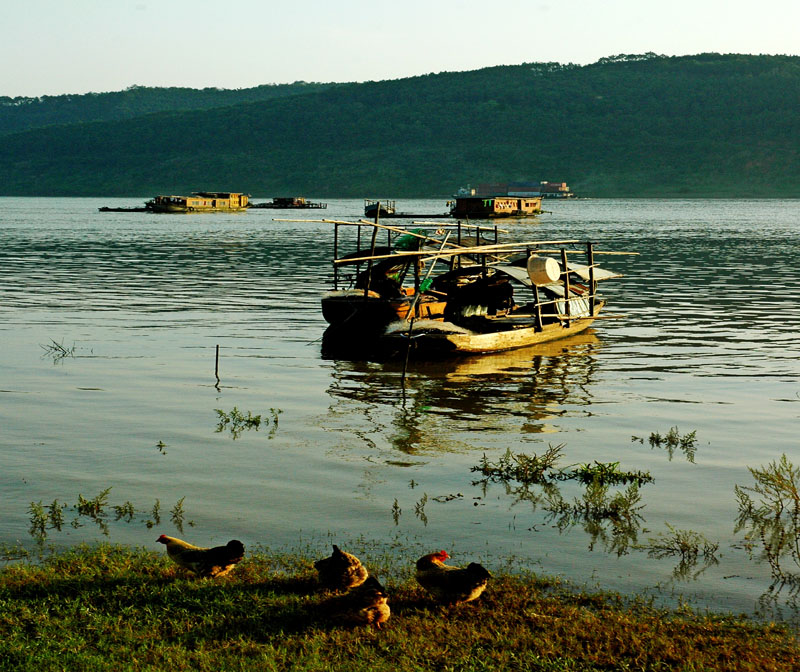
column 374, row 286
column 373, row 209
column 106, row 208
column 388, row 210
column 490, row 207
column 289, row 202
column 485, row 312
column 467, row 296
column 200, row 201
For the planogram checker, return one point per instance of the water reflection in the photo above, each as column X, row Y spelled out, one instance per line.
column 610, row 517
column 481, row 393
column 689, row 547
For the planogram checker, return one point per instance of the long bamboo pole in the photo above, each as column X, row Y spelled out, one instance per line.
column 367, row 222
column 478, row 249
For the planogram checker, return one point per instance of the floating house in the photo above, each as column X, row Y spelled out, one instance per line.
column 200, row 201
column 490, row 207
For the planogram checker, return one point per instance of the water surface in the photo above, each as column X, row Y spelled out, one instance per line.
column 140, row 301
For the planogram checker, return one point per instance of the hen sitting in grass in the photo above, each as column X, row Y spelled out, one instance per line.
column 368, row 604
column 341, row 570
column 451, row 585
column 213, row 562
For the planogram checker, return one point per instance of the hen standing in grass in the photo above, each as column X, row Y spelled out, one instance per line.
column 451, row 585
column 213, row 562
column 341, row 570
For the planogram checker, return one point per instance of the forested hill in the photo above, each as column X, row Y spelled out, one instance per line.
column 706, row 125
column 23, row 113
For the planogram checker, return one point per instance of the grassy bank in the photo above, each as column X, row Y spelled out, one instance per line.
column 110, row 607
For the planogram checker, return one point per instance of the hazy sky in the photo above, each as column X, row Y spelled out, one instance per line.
column 75, row 46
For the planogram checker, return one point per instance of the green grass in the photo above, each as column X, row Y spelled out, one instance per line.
column 109, row 607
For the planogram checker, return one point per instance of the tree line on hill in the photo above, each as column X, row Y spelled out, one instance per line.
column 23, row 112
column 628, row 125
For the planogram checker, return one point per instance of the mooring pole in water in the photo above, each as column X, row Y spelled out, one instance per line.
column 216, row 364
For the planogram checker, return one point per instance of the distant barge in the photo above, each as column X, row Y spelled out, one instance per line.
column 388, row 209
column 291, row 202
column 199, row 201
column 123, row 209
column 490, row 207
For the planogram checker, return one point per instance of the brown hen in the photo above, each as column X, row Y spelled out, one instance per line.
column 368, row 604
column 206, row 562
column 451, row 585
column 341, row 570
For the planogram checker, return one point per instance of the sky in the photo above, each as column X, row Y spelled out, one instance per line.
column 52, row 47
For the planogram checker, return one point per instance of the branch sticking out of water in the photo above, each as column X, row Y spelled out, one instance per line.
column 58, row 351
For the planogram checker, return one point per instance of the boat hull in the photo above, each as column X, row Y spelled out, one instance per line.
column 187, row 209
column 445, row 338
column 373, row 312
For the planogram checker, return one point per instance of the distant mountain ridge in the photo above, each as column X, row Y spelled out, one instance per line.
column 629, row 125
column 23, row 113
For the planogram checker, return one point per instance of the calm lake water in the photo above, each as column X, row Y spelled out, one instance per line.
column 708, row 344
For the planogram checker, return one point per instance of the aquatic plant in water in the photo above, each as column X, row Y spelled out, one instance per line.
column 520, row 467
column 606, row 473
column 43, row 518
column 55, row 513
column 125, row 511
column 672, row 441
column 38, row 521
column 238, row 422
column 607, row 516
column 539, row 470
column 177, row 514
column 769, row 515
column 689, row 546
column 419, row 509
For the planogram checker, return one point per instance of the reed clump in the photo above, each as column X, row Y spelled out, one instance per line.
column 109, row 607
column 237, row 422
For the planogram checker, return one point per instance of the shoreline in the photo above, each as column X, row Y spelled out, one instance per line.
column 107, row 606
